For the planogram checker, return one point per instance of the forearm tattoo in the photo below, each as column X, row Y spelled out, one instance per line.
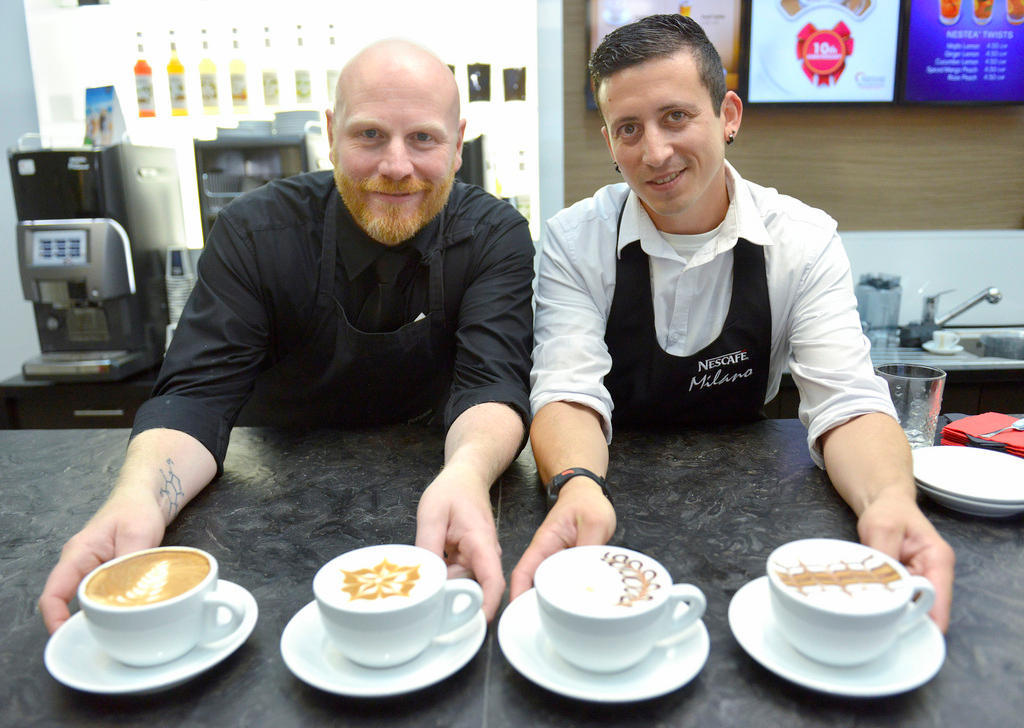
column 171, row 491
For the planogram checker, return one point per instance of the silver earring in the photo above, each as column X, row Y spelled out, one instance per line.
column 616, row 165
column 732, row 138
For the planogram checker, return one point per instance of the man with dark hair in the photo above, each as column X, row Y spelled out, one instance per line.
column 386, row 293
column 681, row 296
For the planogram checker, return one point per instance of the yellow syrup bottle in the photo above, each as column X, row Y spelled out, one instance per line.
column 271, row 86
column 208, row 79
column 144, row 83
column 303, row 85
column 176, row 82
column 239, row 85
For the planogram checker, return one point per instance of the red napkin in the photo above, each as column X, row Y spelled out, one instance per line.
column 969, row 431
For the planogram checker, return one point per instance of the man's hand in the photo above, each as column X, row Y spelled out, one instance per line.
column 455, row 522
column 869, row 462
column 126, row 523
column 894, row 524
column 162, row 471
column 580, row 517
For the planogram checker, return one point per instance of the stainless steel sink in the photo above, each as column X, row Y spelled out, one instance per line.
column 1005, row 343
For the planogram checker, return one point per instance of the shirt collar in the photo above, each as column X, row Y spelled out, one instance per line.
column 358, row 251
column 742, row 220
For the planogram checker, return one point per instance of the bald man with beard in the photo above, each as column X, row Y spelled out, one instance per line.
column 384, row 293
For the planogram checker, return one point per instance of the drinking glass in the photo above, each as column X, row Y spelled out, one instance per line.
column 916, row 392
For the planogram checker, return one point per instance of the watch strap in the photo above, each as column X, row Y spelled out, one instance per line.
column 554, row 486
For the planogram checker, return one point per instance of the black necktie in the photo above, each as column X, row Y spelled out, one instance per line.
column 384, row 308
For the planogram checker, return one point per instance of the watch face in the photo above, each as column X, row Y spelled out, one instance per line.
column 556, row 483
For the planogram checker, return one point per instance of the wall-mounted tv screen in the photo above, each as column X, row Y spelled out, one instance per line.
column 964, row 52
column 720, row 19
column 822, row 51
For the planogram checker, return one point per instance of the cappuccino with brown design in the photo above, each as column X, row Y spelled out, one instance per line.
column 150, row 577
column 383, row 605
column 153, row 606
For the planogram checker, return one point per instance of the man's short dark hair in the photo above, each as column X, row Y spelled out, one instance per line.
column 659, row 36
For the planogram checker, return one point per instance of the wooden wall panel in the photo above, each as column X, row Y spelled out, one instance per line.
column 872, row 168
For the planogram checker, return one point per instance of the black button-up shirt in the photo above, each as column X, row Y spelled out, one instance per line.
column 259, row 277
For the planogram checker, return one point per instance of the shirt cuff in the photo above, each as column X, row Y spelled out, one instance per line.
column 189, row 416
column 514, row 397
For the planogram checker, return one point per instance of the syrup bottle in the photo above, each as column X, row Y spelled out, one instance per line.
column 176, row 82
column 271, row 87
column 303, row 86
column 332, row 72
column 208, row 79
column 144, row 83
column 239, row 86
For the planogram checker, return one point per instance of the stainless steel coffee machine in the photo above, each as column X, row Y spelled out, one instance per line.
column 94, row 225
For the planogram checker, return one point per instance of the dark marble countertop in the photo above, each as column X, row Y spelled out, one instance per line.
column 710, row 504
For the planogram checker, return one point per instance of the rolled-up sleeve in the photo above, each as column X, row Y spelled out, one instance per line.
column 494, row 329
column 830, row 358
column 574, row 290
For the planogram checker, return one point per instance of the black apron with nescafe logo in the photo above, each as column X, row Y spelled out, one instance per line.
column 726, row 381
column 347, row 377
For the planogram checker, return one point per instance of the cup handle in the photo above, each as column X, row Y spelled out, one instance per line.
column 921, row 601
column 679, row 621
column 213, row 628
column 453, row 589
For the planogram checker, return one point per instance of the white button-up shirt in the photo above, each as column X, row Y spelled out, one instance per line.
column 816, row 331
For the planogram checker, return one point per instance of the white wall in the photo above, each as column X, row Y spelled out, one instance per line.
column 930, row 261
column 17, row 116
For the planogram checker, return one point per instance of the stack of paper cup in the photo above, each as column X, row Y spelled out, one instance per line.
column 180, row 278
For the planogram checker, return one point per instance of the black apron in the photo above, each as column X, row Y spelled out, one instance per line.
column 347, row 377
column 726, row 381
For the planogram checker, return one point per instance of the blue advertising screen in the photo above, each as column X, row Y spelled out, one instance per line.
column 962, row 52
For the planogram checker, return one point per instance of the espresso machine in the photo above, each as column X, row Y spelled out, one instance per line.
column 94, row 225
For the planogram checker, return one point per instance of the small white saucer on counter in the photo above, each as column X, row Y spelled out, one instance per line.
column 933, row 348
column 74, row 658
column 528, row 650
column 312, row 658
column 913, row 660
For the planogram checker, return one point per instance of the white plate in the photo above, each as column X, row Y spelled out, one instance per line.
column 972, row 507
column 971, row 473
column 931, row 346
column 311, row 658
column 912, row 661
column 529, row 652
column 73, row 657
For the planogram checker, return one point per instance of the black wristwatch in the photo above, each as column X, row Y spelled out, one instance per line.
column 556, row 483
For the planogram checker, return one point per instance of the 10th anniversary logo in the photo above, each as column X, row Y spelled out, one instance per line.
column 823, row 52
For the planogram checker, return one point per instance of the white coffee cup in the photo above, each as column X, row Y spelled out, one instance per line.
column 153, row 606
column 945, row 340
column 604, row 608
column 842, row 603
column 383, row 605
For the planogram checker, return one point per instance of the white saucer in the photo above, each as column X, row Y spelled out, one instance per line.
column 932, row 347
column 312, row 659
column 73, row 657
column 529, row 652
column 971, row 473
column 971, row 507
column 911, row 662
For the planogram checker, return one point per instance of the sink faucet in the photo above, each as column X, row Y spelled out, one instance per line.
column 992, row 295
